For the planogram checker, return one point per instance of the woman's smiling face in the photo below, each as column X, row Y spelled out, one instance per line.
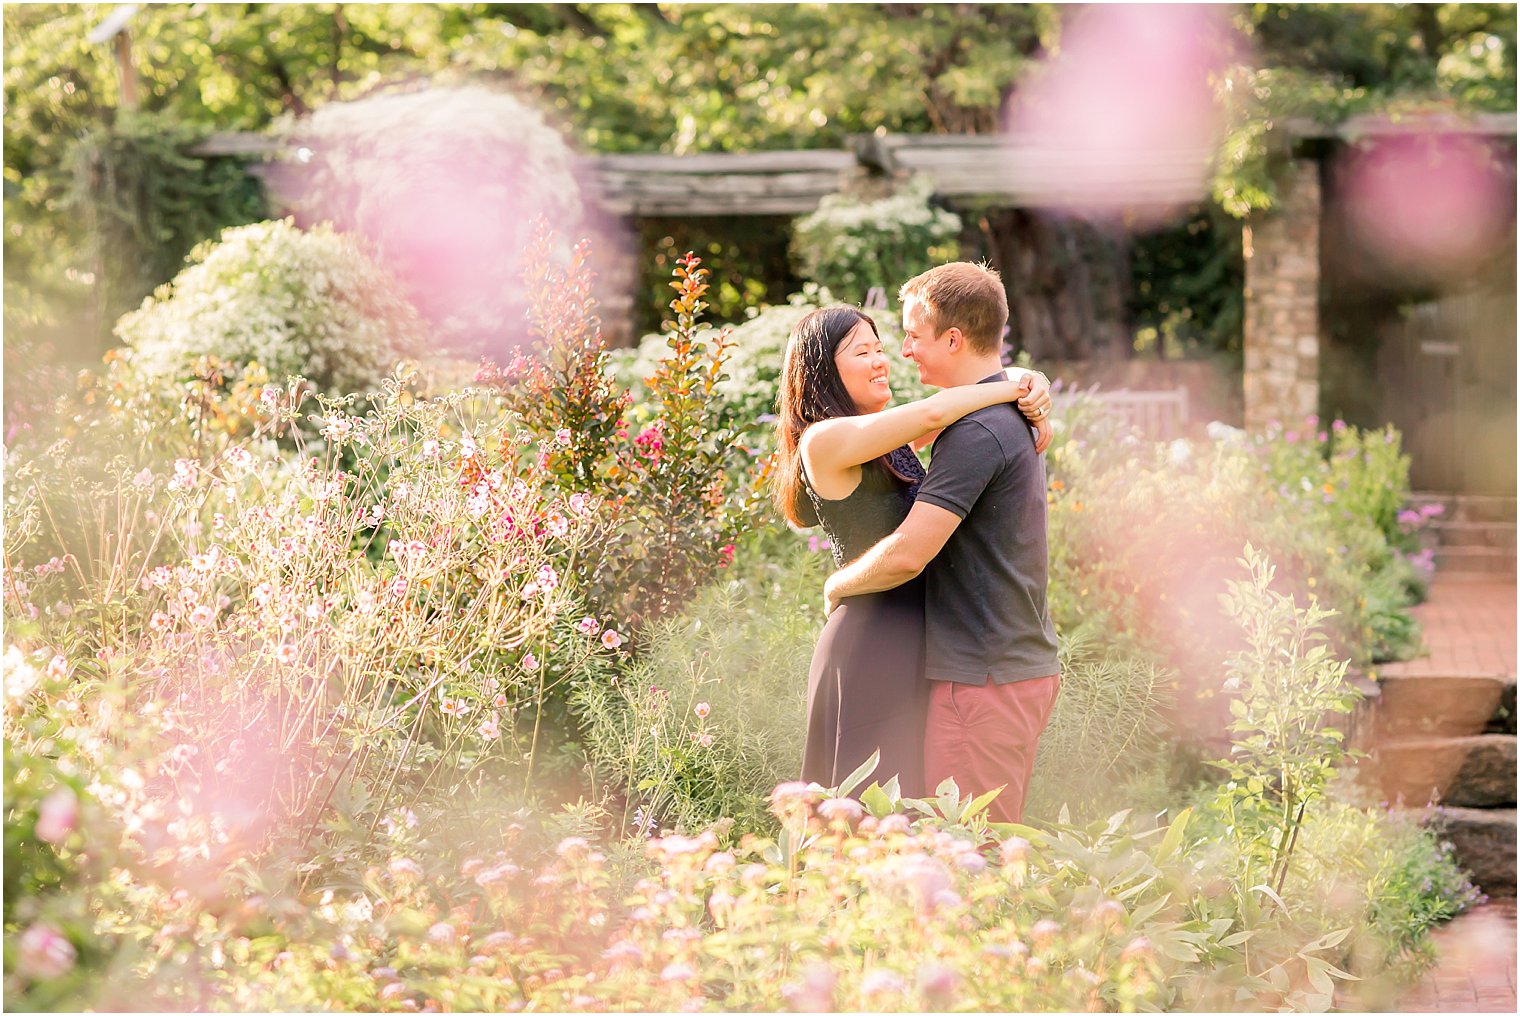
column 862, row 365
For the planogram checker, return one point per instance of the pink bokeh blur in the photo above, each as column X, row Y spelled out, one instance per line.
column 1426, row 205
column 1122, row 121
column 445, row 185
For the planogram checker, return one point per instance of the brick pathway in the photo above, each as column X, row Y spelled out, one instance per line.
column 1475, row 964
column 1469, row 628
column 1470, row 631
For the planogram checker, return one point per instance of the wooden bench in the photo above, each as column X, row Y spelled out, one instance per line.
column 1158, row 415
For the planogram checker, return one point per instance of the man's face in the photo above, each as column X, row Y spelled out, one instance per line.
column 928, row 351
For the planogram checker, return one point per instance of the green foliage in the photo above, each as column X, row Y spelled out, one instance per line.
column 1188, row 286
column 851, row 245
column 1143, row 536
column 747, row 255
column 1105, row 747
column 270, row 301
column 681, row 489
column 1284, row 685
column 148, row 203
column 740, row 651
column 1390, row 877
column 749, row 391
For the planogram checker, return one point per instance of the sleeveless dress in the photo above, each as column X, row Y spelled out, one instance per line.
column 866, row 690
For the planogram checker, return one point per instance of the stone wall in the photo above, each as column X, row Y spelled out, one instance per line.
column 1282, row 303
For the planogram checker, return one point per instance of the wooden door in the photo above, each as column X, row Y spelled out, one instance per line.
column 1447, row 374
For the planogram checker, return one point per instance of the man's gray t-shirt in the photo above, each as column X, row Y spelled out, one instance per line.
column 985, row 612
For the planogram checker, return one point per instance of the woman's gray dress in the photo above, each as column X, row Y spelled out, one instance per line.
column 866, row 689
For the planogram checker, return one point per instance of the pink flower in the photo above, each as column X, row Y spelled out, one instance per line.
column 702, row 709
column 938, row 982
column 547, row 579
column 589, row 626
column 57, row 667
column 285, row 654
column 725, row 555
column 791, row 796
column 1014, row 848
column 529, row 662
column 500, row 701
column 490, row 728
column 57, row 816
column 611, row 639
column 557, row 525
column 563, row 436
column 161, row 622
column 705, row 741
column 572, row 846
column 404, row 868
column 881, row 982
column 202, row 616
column 44, row 953
column 454, row 707
column 846, row 809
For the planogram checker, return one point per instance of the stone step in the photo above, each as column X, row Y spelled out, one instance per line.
column 1484, row 842
column 1467, row 507
column 1445, row 706
column 1468, row 772
column 1488, row 561
column 1498, row 535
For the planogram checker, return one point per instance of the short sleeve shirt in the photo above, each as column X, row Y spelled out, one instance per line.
column 986, row 612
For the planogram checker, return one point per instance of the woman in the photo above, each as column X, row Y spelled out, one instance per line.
column 844, row 464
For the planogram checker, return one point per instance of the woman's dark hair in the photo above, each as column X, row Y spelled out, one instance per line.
column 811, row 390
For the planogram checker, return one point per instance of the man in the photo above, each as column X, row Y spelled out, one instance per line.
column 978, row 527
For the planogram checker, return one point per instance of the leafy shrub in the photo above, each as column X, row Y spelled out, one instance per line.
column 444, row 183
column 280, row 301
column 277, row 663
column 148, row 203
column 1142, row 536
column 1105, row 747
column 1385, row 874
column 1285, row 687
column 711, row 717
column 678, row 485
column 50, row 950
column 850, row 245
column 748, row 394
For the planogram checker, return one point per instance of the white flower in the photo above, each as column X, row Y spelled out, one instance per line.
column 1223, row 432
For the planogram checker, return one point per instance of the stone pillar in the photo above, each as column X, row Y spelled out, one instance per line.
column 1282, row 304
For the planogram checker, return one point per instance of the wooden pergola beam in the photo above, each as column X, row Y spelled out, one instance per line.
column 959, row 165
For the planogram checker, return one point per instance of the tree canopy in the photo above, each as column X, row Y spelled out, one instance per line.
column 681, row 78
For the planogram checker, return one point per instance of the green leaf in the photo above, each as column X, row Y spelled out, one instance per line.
column 858, row 777
column 975, row 807
column 1174, row 833
column 876, row 801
